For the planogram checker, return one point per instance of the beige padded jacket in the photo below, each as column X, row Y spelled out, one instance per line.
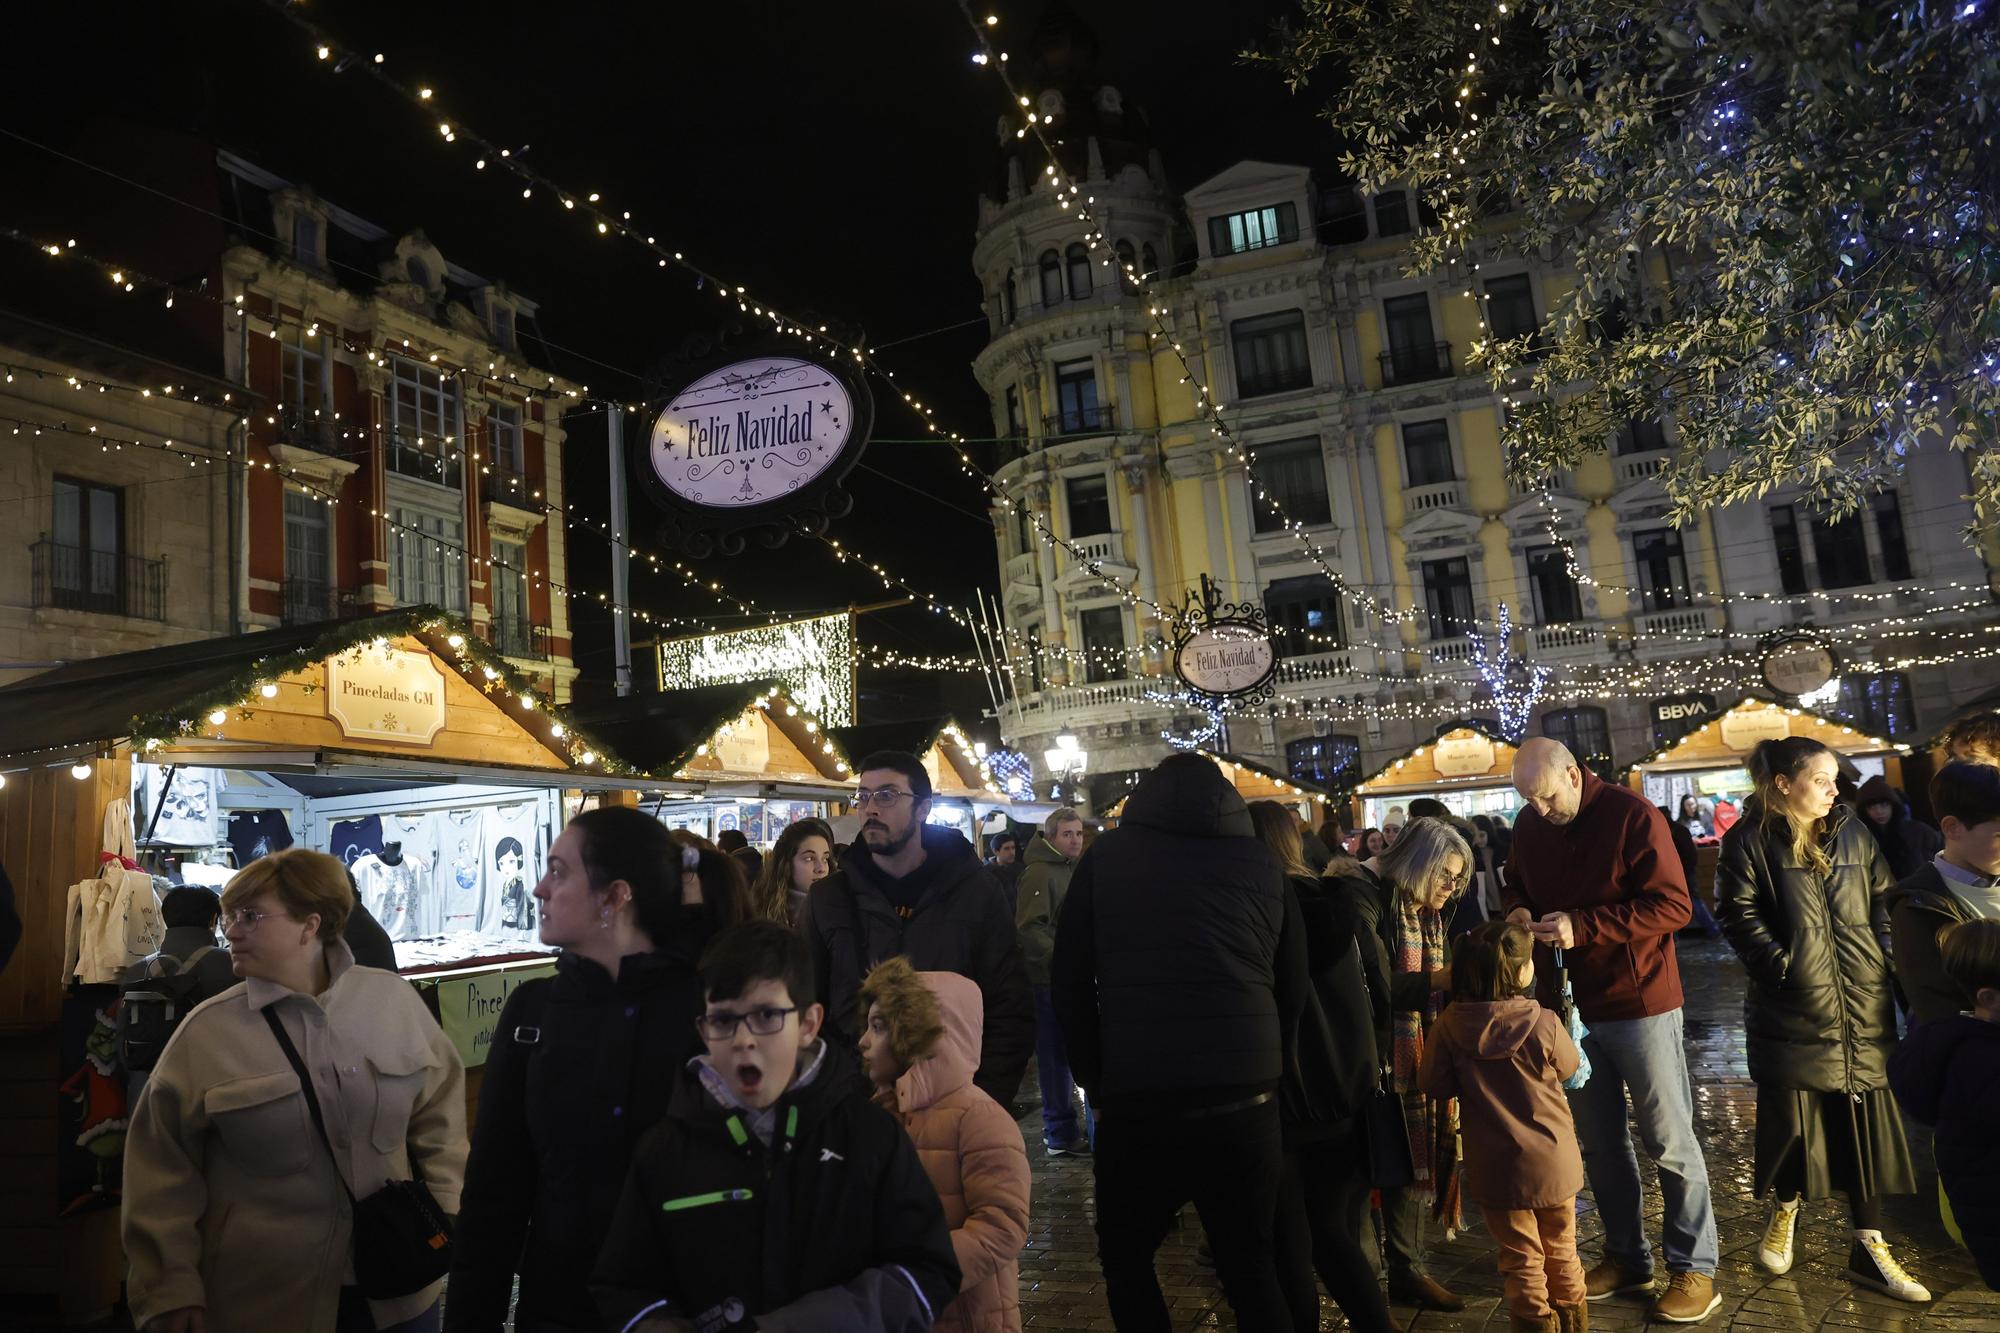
column 231, row 1203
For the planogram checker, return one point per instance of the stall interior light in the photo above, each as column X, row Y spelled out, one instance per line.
column 80, row 770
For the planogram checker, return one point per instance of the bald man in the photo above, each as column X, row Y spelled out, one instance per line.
column 1594, row 873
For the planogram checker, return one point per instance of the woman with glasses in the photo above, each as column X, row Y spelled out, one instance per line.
column 584, row 1063
column 235, row 1213
column 1401, row 899
column 802, row 858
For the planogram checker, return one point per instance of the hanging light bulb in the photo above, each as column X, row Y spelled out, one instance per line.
column 80, row 770
column 269, row 691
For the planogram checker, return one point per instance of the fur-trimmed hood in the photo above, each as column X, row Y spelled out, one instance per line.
column 954, row 1055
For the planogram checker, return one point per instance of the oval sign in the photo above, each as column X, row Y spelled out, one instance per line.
column 751, row 432
column 1226, row 657
column 1798, row 666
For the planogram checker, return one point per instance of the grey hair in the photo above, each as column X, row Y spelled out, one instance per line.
column 1417, row 856
column 1057, row 818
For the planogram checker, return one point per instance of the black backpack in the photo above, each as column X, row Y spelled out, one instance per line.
column 154, row 1004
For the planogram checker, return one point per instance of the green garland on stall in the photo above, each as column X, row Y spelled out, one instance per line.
column 191, row 717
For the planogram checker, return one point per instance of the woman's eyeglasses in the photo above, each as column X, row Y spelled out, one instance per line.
column 245, row 917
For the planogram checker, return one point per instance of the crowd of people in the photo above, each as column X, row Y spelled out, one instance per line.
column 780, row 1096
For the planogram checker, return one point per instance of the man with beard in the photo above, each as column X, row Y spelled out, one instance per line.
column 916, row 890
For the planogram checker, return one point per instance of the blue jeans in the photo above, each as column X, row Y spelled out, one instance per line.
column 1648, row 1057
column 1052, row 1072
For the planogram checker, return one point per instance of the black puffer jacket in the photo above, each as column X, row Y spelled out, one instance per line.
column 1335, row 1068
column 1919, row 907
column 961, row 923
column 1820, row 1014
column 1180, row 963
column 581, row 1067
column 1948, row 1075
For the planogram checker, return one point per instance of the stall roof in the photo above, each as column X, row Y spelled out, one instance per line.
column 101, row 701
column 1708, row 744
column 1283, row 781
column 918, row 738
column 1416, row 770
column 659, row 732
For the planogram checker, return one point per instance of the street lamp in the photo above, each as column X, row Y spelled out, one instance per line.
column 1067, row 761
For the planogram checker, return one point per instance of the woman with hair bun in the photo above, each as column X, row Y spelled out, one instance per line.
column 1800, row 887
column 584, row 1063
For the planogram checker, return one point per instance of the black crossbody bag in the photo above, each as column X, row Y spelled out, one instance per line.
column 402, row 1239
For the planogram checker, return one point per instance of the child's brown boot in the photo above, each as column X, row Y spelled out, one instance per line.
column 1574, row 1318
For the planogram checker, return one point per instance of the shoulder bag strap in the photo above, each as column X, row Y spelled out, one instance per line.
column 312, row 1099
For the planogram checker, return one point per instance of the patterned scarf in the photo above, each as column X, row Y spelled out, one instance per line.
column 1432, row 1126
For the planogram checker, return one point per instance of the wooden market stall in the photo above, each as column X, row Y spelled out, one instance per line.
column 399, row 707
column 1708, row 762
column 967, row 795
column 1468, row 768
column 1259, row 782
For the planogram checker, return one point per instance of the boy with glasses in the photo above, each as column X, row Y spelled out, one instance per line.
column 918, row 890
column 773, row 1119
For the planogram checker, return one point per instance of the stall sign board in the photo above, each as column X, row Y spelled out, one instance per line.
column 469, row 1008
column 386, row 694
column 746, row 749
column 1226, row 657
column 1741, row 730
column 1798, row 665
column 1463, row 756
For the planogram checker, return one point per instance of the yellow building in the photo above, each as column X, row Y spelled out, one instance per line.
column 1349, row 383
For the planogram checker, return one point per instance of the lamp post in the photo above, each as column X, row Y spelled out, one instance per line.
column 1065, row 763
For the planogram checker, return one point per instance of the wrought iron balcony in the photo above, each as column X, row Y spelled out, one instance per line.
column 519, row 638
column 1415, row 363
column 308, row 428
column 507, row 487
column 435, row 460
column 111, row 583
column 307, row 601
column 1097, row 419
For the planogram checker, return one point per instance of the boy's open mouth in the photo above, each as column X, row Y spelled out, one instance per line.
column 749, row 1077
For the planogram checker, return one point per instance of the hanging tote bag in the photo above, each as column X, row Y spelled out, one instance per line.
column 402, row 1240
column 1389, row 1163
column 1572, row 1022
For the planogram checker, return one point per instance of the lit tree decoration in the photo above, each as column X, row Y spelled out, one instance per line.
column 1214, row 707
column 1515, row 682
column 1781, row 218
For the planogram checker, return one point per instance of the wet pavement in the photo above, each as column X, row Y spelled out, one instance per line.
column 1061, row 1287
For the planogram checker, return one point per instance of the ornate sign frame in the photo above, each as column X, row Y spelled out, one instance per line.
column 1207, row 620
column 1793, row 641
column 734, row 419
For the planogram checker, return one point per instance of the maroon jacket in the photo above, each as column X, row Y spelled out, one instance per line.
column 1614, row 870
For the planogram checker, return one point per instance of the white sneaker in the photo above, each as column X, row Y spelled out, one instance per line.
column 1872, row 1265
column 1775, row 1250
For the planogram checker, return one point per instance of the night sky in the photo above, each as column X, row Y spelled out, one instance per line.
column 826, row 155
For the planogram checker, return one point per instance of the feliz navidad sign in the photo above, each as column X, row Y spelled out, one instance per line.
column 1223, row 650
column 756, row 441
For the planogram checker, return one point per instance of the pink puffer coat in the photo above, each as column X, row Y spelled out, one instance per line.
column 975, row 1156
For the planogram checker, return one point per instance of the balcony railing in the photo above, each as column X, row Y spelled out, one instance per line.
column 308, row 429
column 75, row 578
column 519, row 638
column 1098, row 548
column 1559, row 638
column 307, row 601
column 429, row 461
column 1455, row 649
column 1314, row 666
column 1674, row 620
column 1635, row 468
column 1438, row 495
column 507, row 487
column 1416, row 363
column 1101, row 419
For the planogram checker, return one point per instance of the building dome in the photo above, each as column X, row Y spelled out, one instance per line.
column 1096, row 129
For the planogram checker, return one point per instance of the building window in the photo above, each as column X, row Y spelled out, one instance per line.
column 506, row 457
column 308, row 560
column 1791, row 555
column 1077, row 257
column 503, row 327
column 1510, row 306
column 1304, row 615
column 1128, row 260
column 1275, row 224
column 86, row 567
column 1076, row 397
column 1427, row 453
column 1448, row 597
column 1330, row 761
column 1024, row 530
column 1586, row 731
column 507, row 586
column 1292, row 473
column 1840, row 550
column 1414, row 351
column 1642, row 435
column 426, row 558
column 1888, row 511
column 1271, row 354
column 1051, row 267
column 306, row 235
column 1103, row 638
column 303, row 366
column 1557, row 600
column 1031, row 635
column 1663, row 580
column 1879, row 705
column 1088, row 500
column 1014, row 431
column 424, row 423
column 1149, row 262
column 1392, row 213
column 1008, row 312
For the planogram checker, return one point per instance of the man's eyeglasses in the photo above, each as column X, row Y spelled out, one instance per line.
column 245, row 917
column 721, row 1026
column 886, row 798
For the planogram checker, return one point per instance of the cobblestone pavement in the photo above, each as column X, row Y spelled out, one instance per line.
column 1061, row 1287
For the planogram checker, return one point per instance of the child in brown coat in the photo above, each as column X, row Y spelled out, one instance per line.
column 1504, row 1057
column 919, row 1048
